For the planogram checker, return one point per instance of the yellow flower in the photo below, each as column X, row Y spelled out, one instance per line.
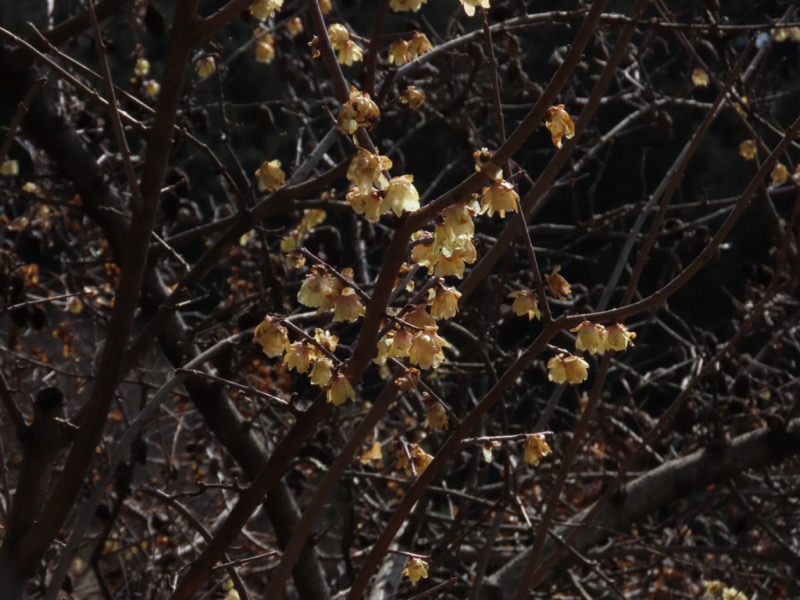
column 325, row 6
column 412, row 98
column 419, row 44
column 272, row 336
column 401, row 195
column 444, row 302
column 152, row 88
column 339, row 35
column 398, row 52
column 205, row 66
column 525, row 303
column 423, row 249
column 416, row 569
column 419, row 458
column 409, row 380
column 270, row 176
column 484, row 163
column 748, row 150
column 469, row 5
column 560, row 124
column 265, row 49
column 347, row 306
column 780, row 174
column 452, row 261
column 339, row 390
column 619, row 338
column 567, row 368
column 591, row 337
column 454, row 222
column 426, row 349
column 367, row 169
column 418, row 316
column 294, row 26
column 298, row 357
column 142, row 67
column 559, row 286
column 395, row 344
column 406, row 5
column 321, row 373
column 9, row 168
column 326, row 339
column 535, row 448
column 358, row 111
column 265, row 9
column 349, row 53
column 700, row 78
column 319, row 290
column 435, row 417
column 369, row 204
column 499, row 197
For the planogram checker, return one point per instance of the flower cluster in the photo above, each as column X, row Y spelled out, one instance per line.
column 416, row 339
column 349, row 51
column 265, row 46
column 324, row 291
column 305, row 357
column 566, row 368
column 372, row 193
column 593, row 338
column 449, row 249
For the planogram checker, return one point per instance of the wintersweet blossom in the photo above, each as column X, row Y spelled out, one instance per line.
column 205, row 66
column 265, row 9
column 419, row 317
column 535, row 448
column 401, row 195
column 412, row 98
column 470, row 5
column 619, row 338
column 453, row 261
column 443, row 302
column 780, row 174
column 398, row 52
column 265, row 47
column 499, row 197
column 270, row 176
column 367, row 169
column 350, row 53
column 406, row 5
column 591, row 337
column 358, row 111
column 339, row 390
column 426, row 349
column 748, row 149
column 454, row 222
column 272, row 336
column 298, row 357
column 416, row 569
column 560, row 124
column 347, row 306
column 370, row 204
column 142, row 67
column 484, row 163
column 435, row 417
column 321, row 372
column 559, row 286
column 700, row 77
column 294, row 26
column 566, row 368
column 338, row 35
column 319, row 290
column 418, row 45
column 525, row 304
